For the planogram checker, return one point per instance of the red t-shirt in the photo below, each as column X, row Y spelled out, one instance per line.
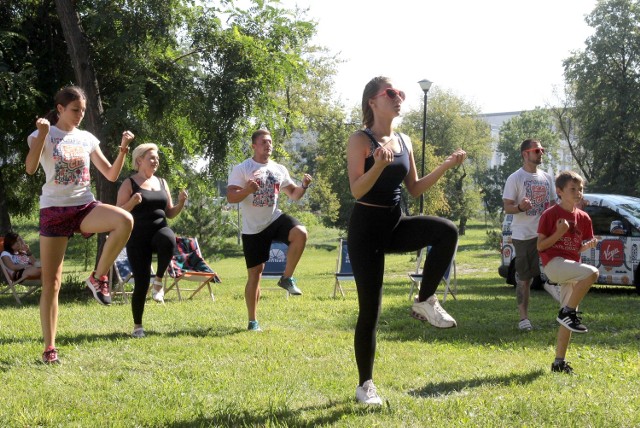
column 568, row 246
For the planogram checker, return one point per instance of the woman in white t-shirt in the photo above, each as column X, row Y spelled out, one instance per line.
column 67, row 204
column 18, row 258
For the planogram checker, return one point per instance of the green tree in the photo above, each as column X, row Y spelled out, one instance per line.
column 30, row 70
column 173, row 73
column 537, row 124
column 568, row 128
column 604, row 80
column 452, row 123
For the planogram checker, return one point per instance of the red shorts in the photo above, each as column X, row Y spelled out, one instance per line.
column 64, row 221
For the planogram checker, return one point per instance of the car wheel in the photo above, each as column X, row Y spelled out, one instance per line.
column 511, row 274
column 537, row 283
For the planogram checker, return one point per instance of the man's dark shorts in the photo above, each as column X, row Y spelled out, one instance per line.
column 256, row 246
column 527, row 259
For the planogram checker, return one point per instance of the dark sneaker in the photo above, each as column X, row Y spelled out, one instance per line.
column 100, row 288
column 561, row 367
column 572, row 321
column 254, row 326
column 289, row 284
column 50, row 356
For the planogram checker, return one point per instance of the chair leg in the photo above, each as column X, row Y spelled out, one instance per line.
column 15, row 294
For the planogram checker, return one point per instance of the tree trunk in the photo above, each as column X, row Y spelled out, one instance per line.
column 5, row 219
column 78, row 48
column 462, row 227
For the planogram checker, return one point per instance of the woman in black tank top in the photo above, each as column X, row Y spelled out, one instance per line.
column 148, row 199
column 379, row 160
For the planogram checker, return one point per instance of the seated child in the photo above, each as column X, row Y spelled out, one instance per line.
column 564, row 232
column 18, row 259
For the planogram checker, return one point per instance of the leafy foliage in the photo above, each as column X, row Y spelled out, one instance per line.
column 605, row 83
column 29, row 69
column 451, row 124
column 536, row 124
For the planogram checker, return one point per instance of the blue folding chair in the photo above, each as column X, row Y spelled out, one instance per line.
column 416, row 276
column 275, row 266
column 344, row 271
column 121, row 269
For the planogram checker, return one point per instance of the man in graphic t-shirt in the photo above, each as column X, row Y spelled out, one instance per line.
column 256, row 184
column 527, row 193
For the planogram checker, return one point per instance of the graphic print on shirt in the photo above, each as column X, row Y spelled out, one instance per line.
column 268, row 188
column 71, row 163
column 572, row 239
column 538, row 193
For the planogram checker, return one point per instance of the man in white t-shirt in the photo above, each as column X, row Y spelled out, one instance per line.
column 527, row 193
column 256, row 184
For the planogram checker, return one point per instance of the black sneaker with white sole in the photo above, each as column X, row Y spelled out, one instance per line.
column 572, row 321
column 561, row 367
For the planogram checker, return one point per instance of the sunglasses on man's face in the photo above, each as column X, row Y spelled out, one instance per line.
column 537, row 150
column 392, row 94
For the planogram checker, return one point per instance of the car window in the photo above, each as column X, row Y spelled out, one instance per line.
column 601, row 217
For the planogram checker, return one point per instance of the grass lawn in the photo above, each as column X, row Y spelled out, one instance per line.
column 198, row 366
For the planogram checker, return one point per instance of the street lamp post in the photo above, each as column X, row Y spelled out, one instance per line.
column 425, row 85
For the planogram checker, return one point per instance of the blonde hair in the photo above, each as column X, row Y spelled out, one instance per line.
column 140, row 151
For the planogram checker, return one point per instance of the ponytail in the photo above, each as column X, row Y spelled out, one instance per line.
column 52, row 116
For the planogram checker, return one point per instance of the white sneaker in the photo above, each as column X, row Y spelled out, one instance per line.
column 157, row 295
column 367, row 394
column 554, row 290
column 430, row 310
column 525, row 324
column 138, row 332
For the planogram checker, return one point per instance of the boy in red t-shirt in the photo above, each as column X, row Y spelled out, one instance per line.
column 564, row 232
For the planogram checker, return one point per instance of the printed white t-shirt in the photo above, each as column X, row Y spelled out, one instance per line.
column 66, row 160
column 540, row 188
column 260, row 209
column 17, row 259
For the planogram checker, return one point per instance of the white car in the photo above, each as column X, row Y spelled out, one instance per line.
column 616, row 224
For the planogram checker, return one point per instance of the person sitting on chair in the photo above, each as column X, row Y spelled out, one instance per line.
column 255, row 184
column 148, row 199
column 18, row 258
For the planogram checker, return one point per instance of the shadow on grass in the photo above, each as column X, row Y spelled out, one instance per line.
column 311, row 416
column 445, row 388
column 486, row 314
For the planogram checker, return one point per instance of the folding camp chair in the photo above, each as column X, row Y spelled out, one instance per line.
column 416, row 277
column 30, row 285
column 344, row 271
column 187, row 264
column 275, row 266
column 121, row 274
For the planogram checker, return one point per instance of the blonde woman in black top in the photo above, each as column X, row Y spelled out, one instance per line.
column 148, row 199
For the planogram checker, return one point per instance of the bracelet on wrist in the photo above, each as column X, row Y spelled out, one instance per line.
column 521, row 210
column 305, row 187
column 124, row 150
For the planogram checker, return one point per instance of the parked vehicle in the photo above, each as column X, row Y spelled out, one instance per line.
column 616, row 224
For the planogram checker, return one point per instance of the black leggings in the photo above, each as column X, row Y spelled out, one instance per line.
column 374, row 231
column 140, row 250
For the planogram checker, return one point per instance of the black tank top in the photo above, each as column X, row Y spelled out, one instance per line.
column 386, row 190
column 149, row 215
